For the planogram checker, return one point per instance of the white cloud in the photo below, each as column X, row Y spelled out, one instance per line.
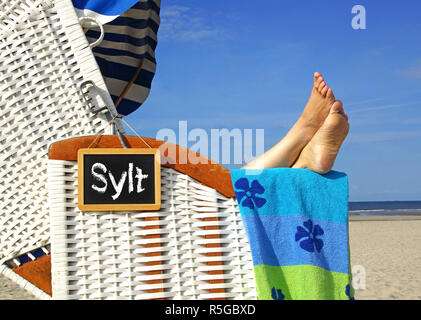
column 181, row 23
column 385, row 107
column 173, row 11
column 364, row 102
column 383, row 136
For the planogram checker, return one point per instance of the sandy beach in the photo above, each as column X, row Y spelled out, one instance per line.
column 390, row 252
column 11, row 291
column 388, row 249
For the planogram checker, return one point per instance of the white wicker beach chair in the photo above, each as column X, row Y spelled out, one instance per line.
column 195, row 247
column 45, row 58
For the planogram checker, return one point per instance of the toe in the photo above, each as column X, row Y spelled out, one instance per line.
column 324, row 91
column 337, row 107
column 330, row 94
column 316, row 78
column 321, row 86
column 320, row 80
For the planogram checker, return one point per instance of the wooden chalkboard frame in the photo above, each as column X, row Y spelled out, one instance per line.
column 119, row 207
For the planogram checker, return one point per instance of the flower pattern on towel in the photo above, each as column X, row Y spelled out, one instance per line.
column 348, row 292
column 308, row 236
column 249, row 193
column 277, row 294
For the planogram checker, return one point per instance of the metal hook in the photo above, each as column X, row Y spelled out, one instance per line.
column 111, row 115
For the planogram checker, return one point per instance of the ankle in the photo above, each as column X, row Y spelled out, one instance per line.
column 300, row 163
column 302, row 131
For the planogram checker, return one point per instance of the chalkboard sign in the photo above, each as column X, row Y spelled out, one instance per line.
column 119, row 179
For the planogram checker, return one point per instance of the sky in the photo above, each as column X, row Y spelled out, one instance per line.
column 250, row 64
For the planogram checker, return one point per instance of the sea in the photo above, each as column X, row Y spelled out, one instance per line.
column 394, row 208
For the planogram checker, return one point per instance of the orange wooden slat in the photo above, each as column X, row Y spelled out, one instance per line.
column 207, row 172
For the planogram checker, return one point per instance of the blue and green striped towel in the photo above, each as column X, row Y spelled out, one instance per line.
column 297, row 225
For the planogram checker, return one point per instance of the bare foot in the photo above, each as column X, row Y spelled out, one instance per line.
column 318, row 106
column 312, row 118
column 320, row 153
column 286, row 152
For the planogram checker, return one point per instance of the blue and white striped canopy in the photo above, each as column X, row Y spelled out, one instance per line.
column 130, row 39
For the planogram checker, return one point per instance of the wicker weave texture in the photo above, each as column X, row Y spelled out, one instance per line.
column 195, row 247
column 44, row 58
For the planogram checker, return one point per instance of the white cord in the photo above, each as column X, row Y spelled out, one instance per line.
column 101, row 27
column 130, row 127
